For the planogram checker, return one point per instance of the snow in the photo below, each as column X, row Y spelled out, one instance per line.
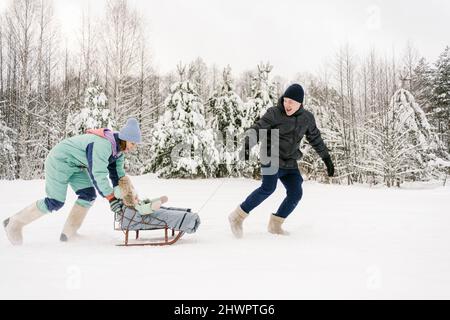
column 346, row 242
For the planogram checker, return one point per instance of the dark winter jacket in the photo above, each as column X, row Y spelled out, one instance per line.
column 291, row 131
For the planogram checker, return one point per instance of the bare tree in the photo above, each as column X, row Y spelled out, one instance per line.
column 21, row 20
column 344, row 73
column 122, row 52
column 1, row 58
column 409, row 62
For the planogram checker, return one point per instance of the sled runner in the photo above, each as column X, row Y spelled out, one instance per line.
column 177, row 220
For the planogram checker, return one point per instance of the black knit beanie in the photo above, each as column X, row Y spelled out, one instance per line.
column 295, row 92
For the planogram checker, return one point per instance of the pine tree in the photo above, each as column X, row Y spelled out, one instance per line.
column 181, row 146
column 229, row 121
column 422, row 84
column 94, row 114
column 441, row 97
column 7, row 151
column 199, row 77
column 264, row 96
column 402, row 145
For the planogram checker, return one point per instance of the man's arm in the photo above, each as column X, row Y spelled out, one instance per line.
column 265, row 123
column 315, row 140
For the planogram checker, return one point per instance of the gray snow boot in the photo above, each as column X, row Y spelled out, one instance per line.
column 275, row 223
column 14, row 225
column 236, row 219
column 73, row 222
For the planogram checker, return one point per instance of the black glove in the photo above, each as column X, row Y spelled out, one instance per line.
column 116, row 205
column 246, row 154
column 330, row 166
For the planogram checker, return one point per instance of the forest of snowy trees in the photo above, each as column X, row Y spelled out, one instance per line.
column 385, row 119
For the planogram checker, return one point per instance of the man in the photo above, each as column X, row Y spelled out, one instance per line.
column 292, row 122
column 83, row 162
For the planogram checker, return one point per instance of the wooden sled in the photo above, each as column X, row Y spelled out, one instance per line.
column 168, row 240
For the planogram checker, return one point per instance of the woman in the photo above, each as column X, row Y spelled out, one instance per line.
column 83, row 162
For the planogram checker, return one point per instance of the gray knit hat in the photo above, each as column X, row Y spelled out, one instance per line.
column 131, row 131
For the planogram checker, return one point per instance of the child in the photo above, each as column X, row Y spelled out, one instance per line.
column 149, row 214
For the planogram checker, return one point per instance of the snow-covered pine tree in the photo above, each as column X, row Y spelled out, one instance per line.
column 228, row 121
column 432, row 150
column 199, row 77
column 402, row 146
column 244, row 84
column 264, row 93
column 94, row 113
column 389, row 152
column 264, row 96
column 441, row 97
column 181, row 145
column 7, row 151
column 422, row 84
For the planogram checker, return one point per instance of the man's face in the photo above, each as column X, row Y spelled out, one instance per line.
column 291, row 106
column 131, row 146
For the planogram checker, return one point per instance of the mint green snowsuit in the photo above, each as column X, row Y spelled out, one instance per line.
column 83, row 162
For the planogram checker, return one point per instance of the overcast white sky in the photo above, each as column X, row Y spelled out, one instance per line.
column 294, row 35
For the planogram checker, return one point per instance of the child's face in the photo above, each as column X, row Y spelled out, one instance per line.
column 131, row 146
column 291, row 106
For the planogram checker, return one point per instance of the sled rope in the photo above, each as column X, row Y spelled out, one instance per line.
column 211, row 196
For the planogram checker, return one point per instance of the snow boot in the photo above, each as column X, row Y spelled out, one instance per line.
column 73, row 222
column 275, row 223
column 14, row 225
column 236, row 219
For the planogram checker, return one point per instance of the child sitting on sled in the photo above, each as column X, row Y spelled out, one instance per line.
column 149, row 214
column 130, row 198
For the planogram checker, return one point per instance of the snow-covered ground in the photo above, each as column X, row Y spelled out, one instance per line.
column 345, row 242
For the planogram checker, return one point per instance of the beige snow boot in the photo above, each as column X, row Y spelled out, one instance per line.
column 73, row 222
column 275, row 223
column 14, row 225
column 236, row 219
